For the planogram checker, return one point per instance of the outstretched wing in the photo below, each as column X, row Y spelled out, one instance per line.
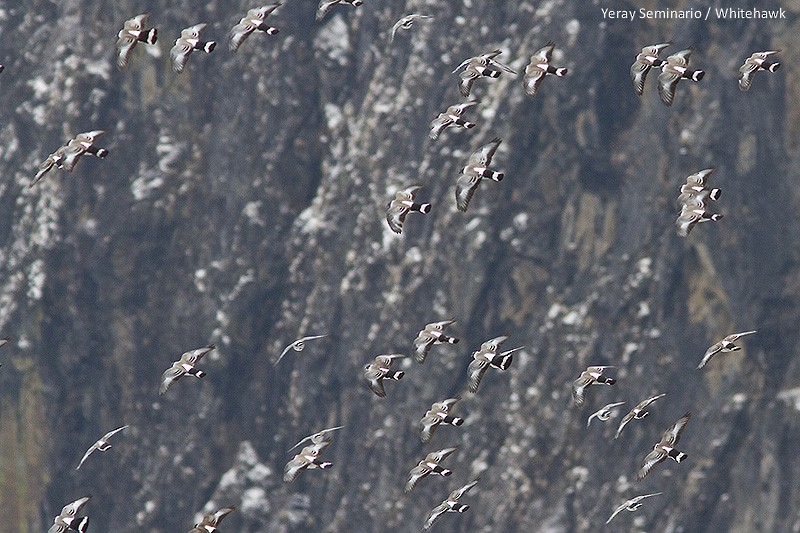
column 483, row 155
column 475, row 371
column 465, row 188
column 171, row 375
column 435, row 513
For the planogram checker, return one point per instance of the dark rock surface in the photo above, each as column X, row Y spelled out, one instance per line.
column 243, row 203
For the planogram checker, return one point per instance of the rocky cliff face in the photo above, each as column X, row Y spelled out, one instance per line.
column 243, row 204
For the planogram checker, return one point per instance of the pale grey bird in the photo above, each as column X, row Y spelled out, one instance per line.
column 665, row 447
column 637, row 412
column 451, row 116
column 326, row 5
column 604, row 413
column 487, row 356
column 298, row 346
column 4, row 341
column 429, row 465
column 102, row 444
column 319, row 438
column 754, row 63
column 210, row 521
column 539, row 67
column 380, row 368
column 450, row 505
column 189, row 41
column 407, row 21
column 439, row 413
column 483, row 65
column 432, row 334
column 723, row 346
column 631, row 505
column 255, row 19
column 646, row 59
column 673, row 70
column 476, row 169
column 183, row 366
column 590, row 376
column 401, row 205
column 308, row 458
column 69, row 519
column 133, row 31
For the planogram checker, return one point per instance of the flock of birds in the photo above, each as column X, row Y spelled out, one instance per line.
column 693, row 202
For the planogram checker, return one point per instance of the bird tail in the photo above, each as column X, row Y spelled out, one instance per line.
column 678, row 456
column 460, row 507
column 773, row 66
column 83, row 525
column 502, row 361
column 395, row 374
column 209, row 46
column 561, row 71
column 196, row 372
column 150, row 36
column 697, row 75
column 463, row 123
column 441, row 471
column 605, row 380
column 422, row 208
column 453, row 420
column 449, row 340
column 272, row 31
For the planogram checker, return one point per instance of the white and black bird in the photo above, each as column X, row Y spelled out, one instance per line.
column 725, row 345
column 133, row 31
column 673, row 70
column 67, row 156
column 429, row 465
column 210, row 521
column 604, row 413
column 324, row 437
column 665, row 447
column 590, row 376
column 433, row 333
column 255, row 19
column 476, row 169
column 326, row 5
column 186, row 365
column 637, row 412
column 102, row 444
column 647, row 59
column 379, row 369
column 298, row 346
column 487, row 356
column 688, row 218
column 630, row 505
column 401, row 205
column 406, row 22
column 189, row 41
column 539, row 67
column 307, row 459
column 754, row 63
column 450, row 505
column 451, row 116
column 694, row 194
column 439, row 413
column 483, row 65
column 69, row 517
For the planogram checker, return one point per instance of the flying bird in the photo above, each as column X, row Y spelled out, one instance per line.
column 69, row 519
column 539, row 67
column 255, row 19
column 297, row 346
column 327, row 5
column 380, row 368
column 487, row 356
column 665, row 447
column 637, row 412
column 323, row 437
column 451, row 116
column 67, row 156
column 407, row 21
column 724, row 346
column 483, row 65
column 689, row 217
column 308, row 458
column 630, row 505
column 429, row 465
column 754, row 63
column 210, row 521
column 188, row 42
column 401, row 205
column 646, row 59
column 133, row 31
column 590, row 376
column 673, row 70
column 432, row 334
column 450, row 505
column 604, row 413
column 477, row 168
column 102, row 444
column 183, row 366
column 439, row 413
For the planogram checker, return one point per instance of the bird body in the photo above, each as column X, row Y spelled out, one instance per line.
column 298, row 345
column 401, row 205
column 647, row 59
column 380, row 369
column 433, row 333
column 637, row 412
column 450, row 505
column 189, row 41
column 439, row 413
column 255, row 19
column 631, row 505
column 539, row 67
column 590, row 376
column 725, row 345
column 483, row 65
column 673, row 70
column 487, row 356
column 429, row 465
column 665, row 447
column 476, row 169
column 183, row 366
column 451, row 116
column 102, row 444
column 754, row 63
column 133, row 31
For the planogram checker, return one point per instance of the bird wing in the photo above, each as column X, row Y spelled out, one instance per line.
column 422, row 344
column 193, row 32
column 733, row 337
column 114, row 432
column 616, row 512
column 468, row 77
column 680, row 59
column 711, row 352
column 579, row 388
column 388, row 359
column 667, row 82
column 651, row 460
column 484, row 154
column 475, row 371
column 213, row 519
column 673, row 434
column 124, row 47
column 397, row 26
column 502, row 66
column 179, row 54
column 294, row 467
column 459, row 492
column 435, row 513
column 239, row 33
column 284, row 352
column 408, row 193
column 544, row 54
column 417, row 473
column 396, row 216
column 324, row 7
column 627, row 418
column 193, row 356
column 533, row 77
column 440, row 455
column 171, row 375
column 375, row 381
column 73, row 508
column 492, row 345
column 92, row 448
column 427, row 426
column 137, row 23
column 438, row 125
column 639, row 71
column 465, row 188
column 458, row 109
